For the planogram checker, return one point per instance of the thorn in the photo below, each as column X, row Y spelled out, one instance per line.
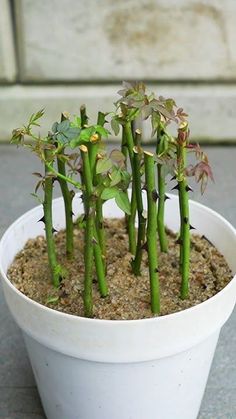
column 188, row 188
column 176, row 187
column 54, row 230
column 72, row 214
column 144, row 188
column 205, row 238
column 156, row 270
column 145, row 246
column 173, row 178
column 155, row 195
column 179, row 241
column 191, row 227
column 166, row 197
column 186, row 220
column 42, row 219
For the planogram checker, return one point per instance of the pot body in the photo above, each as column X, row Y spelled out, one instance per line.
column 140, row 369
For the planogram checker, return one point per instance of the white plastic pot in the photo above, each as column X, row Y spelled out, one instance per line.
column 102, row 369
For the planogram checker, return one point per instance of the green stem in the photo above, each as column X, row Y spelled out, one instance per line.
column 129, row 141
column 88, row 261
column 89, row 228
column 100, row 227
column 99, row 263
column 124, row 148
column 47, row 207
column 67, row 197
column 161, row 194
column 131, row 224
column 136, row 263
column 131, row 218
column 99, row 203
column 93, row 147
column 83, row 116
column 124, row 151
column 185, row 228
column 92, row 241
column 161, row 210
column 137, row 138
column 181, row 217
column 152, row 231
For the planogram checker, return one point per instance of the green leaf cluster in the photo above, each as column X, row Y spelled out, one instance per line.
column 64, row 132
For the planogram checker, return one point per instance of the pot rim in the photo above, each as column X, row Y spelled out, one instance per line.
column 105, row 321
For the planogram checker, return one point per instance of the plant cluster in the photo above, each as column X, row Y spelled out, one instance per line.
column 75, row 155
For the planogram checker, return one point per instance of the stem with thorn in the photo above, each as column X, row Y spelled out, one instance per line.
column 129, row 141
column 136, row 263
column 99, row 203
column 47, row 207
column 181, row 216
column 184, row 212
column 124, row 151
column 67, row 197
column 152, row 231
column 91, row 240
column 161, row 200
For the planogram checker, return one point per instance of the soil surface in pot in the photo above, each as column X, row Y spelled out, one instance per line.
column 129, row 296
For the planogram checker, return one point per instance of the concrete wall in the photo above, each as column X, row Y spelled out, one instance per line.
column 69, row 52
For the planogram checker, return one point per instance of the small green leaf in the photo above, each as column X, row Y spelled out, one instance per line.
column 115, row 126
column 61, row 137
column 52, row 299
column 155, row 122
column 86, row 133
column 102, row 131
column 64, row 125
column 75, row 143
column 117, row 156
column 123, row 202
column 55, row 126
column 72, row 132
column 77, row 122
column 17, row 136
column 35, row 117
column 109, row 193
column 115, row 177
column 103, row 165
column 125, row 178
